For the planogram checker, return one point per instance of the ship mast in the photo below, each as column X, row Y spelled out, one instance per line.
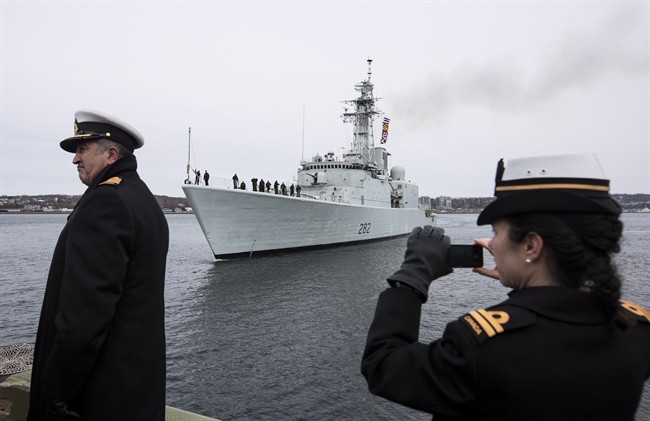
column 363, row 143
column 189, row 145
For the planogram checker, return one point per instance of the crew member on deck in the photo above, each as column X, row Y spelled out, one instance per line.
column 563, row 346
column 235, row 181
column 206, row 178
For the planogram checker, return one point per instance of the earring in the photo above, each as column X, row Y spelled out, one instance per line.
column 527, row 260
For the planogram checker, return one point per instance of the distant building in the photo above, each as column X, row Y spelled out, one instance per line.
column 424, row 202
column 443, row 202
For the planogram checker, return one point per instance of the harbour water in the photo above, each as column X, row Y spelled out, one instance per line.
column 278, row 337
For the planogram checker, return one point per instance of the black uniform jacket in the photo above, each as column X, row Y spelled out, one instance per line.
column 547, row 353
column 101, row 340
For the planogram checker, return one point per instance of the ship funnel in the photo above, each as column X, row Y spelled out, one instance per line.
column 381, row 158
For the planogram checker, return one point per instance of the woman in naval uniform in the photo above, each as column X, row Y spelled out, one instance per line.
column 563, row 346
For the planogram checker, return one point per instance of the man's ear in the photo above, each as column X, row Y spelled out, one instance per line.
column 113, row 155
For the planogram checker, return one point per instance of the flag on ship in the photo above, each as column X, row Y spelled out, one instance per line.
column 384, row 131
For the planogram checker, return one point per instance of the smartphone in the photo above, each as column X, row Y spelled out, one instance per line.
column 465, row 256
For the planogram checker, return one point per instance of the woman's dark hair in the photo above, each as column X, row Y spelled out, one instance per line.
column 581, row 247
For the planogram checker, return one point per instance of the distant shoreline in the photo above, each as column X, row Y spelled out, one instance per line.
column 65, row 212
column 53, row 204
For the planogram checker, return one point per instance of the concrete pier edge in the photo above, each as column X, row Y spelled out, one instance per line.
column 14, row 401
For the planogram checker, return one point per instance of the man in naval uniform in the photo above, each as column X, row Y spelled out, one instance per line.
column 100, row 346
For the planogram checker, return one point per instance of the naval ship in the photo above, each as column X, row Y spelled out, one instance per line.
column 338, row 200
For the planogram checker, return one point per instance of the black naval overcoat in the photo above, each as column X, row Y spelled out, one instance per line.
column 547, row 353
column 101, row 340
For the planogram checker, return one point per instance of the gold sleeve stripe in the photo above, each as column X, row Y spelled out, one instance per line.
column 484, row 323
column 553, row 186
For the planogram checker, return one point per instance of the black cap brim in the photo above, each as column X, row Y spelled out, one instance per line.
column 570, row 201
column 70, row 144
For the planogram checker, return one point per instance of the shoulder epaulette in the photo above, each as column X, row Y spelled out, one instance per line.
column 639, row 313
column 486, row 324
column 113, row 181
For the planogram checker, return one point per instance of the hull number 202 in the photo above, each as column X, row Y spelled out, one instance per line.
column 364, row 228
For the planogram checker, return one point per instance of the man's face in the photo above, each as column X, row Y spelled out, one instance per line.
column 89, row 163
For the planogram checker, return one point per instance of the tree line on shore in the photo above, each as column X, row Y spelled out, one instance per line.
column 57, row 202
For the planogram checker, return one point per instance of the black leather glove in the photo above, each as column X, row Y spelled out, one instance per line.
column 57, row 410
column 425, row 260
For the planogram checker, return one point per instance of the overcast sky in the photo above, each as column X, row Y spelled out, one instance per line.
column 464, row 84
